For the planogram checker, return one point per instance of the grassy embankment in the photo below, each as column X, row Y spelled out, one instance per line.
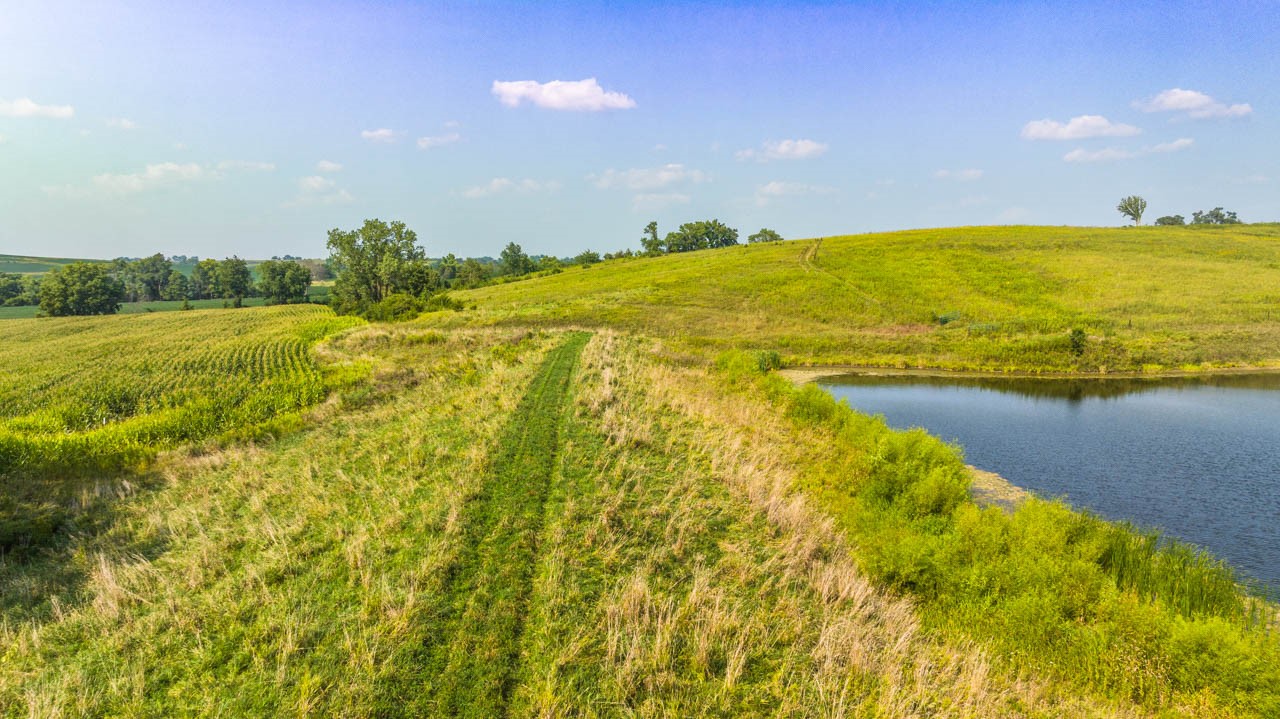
column 1002, row 299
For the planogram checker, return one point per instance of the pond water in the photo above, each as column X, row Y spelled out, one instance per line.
column 1197, row 458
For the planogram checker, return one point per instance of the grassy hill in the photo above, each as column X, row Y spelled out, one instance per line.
column 558, row 504
column 23, row 265
column 992, row 298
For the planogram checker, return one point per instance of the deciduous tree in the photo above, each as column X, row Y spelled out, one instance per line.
column 1132, row 207
column 81, row 288
column 370, row 262
column 764, row 235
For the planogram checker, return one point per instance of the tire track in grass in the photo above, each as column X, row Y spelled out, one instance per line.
column 471, row 650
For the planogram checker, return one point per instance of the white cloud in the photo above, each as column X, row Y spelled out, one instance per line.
column 246, row 166
column 25, row 107
column 426, row 143
column 157, row 175
column 1181, row 143
column 122, row 123
column 776, row 189
column 968, row 175
column 1077, row 128
column 318, row 190
column 579, row 95
column 1111, row 154
column 647, row 178
column 1195, row 104
column 327, row 166
column 1108, row 154
column 381, row 134
column 784, row 150
column 655, row 201
column 499, row 185
column 315, row 183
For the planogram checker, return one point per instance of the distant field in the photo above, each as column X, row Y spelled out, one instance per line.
column 34, row 265
column 994, row 298
column 318, row 293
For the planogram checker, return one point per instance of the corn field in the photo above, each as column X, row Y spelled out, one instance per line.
column 97, row 393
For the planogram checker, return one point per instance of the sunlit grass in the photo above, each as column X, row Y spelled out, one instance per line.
column 996, row 298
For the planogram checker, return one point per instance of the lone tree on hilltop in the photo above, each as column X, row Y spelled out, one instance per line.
column 1171, row 220
column 764, row 235
column 1133, row 207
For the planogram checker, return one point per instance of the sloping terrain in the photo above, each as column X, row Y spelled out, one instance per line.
column 992, row 298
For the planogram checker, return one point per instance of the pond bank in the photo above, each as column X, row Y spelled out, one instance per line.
column 803, row 375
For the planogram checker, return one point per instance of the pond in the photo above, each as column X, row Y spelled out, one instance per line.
column 1197, row 458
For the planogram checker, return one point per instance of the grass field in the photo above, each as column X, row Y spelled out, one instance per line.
column 319, row 294
column 993, row 298
column 549, row 507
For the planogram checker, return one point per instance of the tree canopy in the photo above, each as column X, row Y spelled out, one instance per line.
column 1132, row 207
column 764, row 235
column 283, row 281
column 701, row 235
column 1214, row 217
column 81, row 288
column 374, row 261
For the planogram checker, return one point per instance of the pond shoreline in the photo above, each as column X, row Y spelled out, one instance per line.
column 805, row 374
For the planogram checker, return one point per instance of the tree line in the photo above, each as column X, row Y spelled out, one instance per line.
column 380, row 270
column 97, row 288
column 1134, row 206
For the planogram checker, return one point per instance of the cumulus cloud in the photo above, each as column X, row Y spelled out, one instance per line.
column 1193, row 104
column 777, row 189
column 576, row 95
column 1077, row 128
column 426, row 143
column 381, row 134
column 315, row 183
column 499, row 185
column 655, row 201
column 783, row 150
column 25, row 107
column 1111, row 154
column 647, row 178
column 122, row 123
column 153, row 176
column 246, row 166
column 968, row 175
column 327, row 166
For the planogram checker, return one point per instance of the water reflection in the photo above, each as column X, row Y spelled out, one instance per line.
column 1061, row 388
column 1197, row 457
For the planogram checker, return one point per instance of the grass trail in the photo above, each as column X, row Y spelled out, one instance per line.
column 471, row 656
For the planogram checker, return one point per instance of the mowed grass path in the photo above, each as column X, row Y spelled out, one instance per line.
column 991, row 298
column 470, row 657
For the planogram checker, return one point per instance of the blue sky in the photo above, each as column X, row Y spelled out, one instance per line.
column 223, row 128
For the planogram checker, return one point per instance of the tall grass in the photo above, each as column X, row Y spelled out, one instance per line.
column 1093, row 603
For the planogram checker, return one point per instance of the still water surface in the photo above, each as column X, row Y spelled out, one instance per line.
column 1197, row 458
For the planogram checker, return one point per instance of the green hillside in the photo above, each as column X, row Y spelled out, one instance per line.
column 19, row 264
column 992, row 298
